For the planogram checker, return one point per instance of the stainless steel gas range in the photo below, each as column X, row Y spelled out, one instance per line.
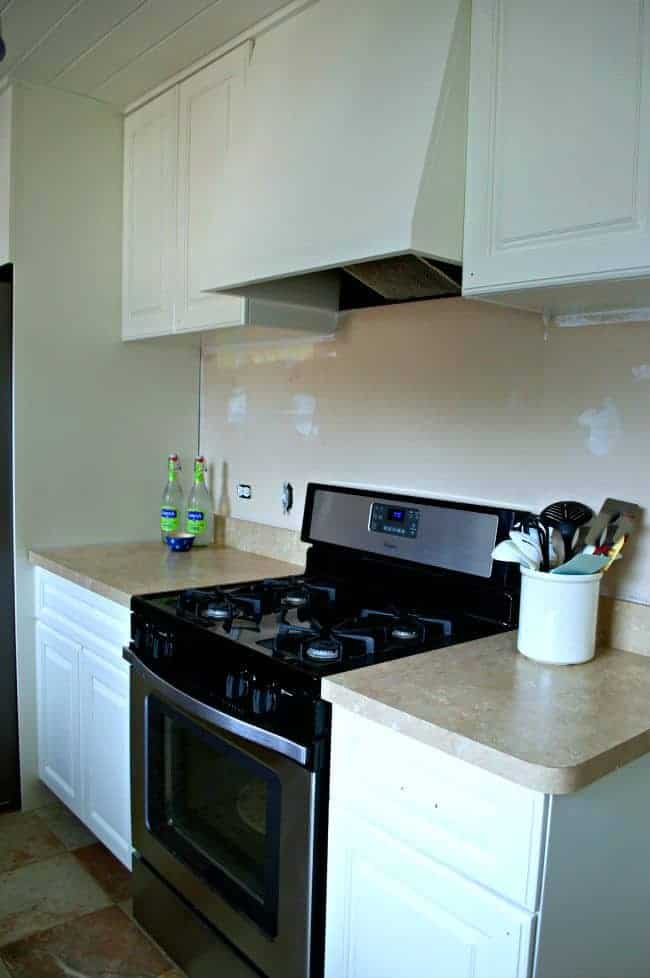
column 230, row 738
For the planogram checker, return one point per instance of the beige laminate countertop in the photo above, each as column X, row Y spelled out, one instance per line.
column 118, row 571
column 551, row 728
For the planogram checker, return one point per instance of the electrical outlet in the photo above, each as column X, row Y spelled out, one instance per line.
column 244, row 491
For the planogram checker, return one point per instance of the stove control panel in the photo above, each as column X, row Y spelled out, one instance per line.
column 400, row 521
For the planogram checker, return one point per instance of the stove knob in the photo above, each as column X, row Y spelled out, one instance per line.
column 265, row 698
column 158, row 644
column 238, row 685
column 169, row 647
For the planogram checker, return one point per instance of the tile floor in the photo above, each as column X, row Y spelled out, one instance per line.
column 65, row 909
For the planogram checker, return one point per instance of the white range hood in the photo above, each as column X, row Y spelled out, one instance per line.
column 348, row 149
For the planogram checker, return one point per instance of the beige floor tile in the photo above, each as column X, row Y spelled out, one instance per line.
column 127, row 907
column 44, row 894
column 104, row 944
column 102, row 865
column 65, row 826
column 4, row 973
column 24, row 839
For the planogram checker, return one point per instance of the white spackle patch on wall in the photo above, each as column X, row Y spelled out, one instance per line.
column 604, row 424
column 237, row 406
column 642, row 372
column 304, row 407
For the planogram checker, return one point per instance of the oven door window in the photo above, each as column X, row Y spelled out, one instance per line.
column 215, row 808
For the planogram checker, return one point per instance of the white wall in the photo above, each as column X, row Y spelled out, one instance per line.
column 449, row 398
column 94, row 418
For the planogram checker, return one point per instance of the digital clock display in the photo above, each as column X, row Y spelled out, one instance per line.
column 398, row 521
column 396, row 515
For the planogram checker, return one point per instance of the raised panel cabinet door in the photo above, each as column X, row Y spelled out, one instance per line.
column 105, row 753
column 149, row 225
column 558, row 171
column 208, row 101
column 58, row 715
column 392, row 911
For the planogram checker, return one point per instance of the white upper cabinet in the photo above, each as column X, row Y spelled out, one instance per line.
column 5, row 173
column 558, row 172
column 175, row 149
column 208, row 101
column 149, row 225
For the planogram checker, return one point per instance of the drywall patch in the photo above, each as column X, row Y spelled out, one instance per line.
column 642, row 372
column 304, row 407
column 604, row 424
column 237, row 406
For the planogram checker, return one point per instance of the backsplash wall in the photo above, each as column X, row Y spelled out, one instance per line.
column 451, row 398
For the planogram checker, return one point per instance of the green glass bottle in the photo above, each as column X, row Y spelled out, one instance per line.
column 171, row 506
column 199, row 518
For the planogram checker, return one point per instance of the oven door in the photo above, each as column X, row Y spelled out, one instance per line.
column 228, row 823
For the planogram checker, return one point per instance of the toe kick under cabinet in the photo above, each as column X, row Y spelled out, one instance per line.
column 83, row 707
column 439, row 869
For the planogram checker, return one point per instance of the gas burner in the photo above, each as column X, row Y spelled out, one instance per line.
column 296, row 599
column 324, row 650
column 218, row 611
column 404, row 633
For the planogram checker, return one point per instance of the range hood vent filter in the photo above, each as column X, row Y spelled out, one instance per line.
column 407, row 278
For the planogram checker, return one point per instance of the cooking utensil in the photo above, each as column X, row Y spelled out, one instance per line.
column 530, row 525
column 528, row 544
column 567, row 517
column 615, row 553
column 582, row 564
column 509, row 552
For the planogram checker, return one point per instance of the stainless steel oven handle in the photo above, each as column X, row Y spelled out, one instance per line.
column 209, row 714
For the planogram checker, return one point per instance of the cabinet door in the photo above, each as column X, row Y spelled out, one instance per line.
column 391, row 911
column 149, row 226
column 207, row 103
column 58, row 715
column 559, row 142
column 105, row 755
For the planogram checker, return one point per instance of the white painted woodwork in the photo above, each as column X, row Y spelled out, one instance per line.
column 83, row 707
column 411, row 831
column 6, row 116
column 352, row 144
column 149, row 244
column 66, row 606
column 119, row 50
column 58, row 715
column 207, row 102
column 558, row 166
column 392, row 911
column 105, row 777
column 483, row 826
column 176, row 201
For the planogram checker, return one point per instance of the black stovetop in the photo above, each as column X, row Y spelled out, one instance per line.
column 312, row 624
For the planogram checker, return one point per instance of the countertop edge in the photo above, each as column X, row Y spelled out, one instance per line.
column 536, row 777
column 82, row 580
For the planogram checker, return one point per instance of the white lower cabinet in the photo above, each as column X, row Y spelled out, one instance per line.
column 105, row 784
column 392, row 911
column 58, row 715
column 433, row 865
column 83, row 707
column 422, row 882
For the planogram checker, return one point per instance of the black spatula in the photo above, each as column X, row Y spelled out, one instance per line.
column 565, row 517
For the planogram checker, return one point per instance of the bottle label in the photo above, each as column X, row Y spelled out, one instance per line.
column 195, row 521
column 168, row 519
